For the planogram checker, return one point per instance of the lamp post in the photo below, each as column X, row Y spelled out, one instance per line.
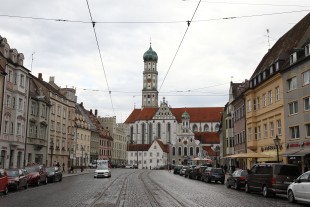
column 52, row 149
column 277, row 144
column 82, row 163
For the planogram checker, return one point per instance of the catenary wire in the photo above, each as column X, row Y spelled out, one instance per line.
column 102, row 65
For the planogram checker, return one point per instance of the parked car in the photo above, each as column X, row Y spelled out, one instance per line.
column 271, row 178
column 129, row 166
column 54, row 174
column 102, row 171
column 177, row 169
column 299, row 190
column 196, row 173
column 189, row 170
column 4, row 182
column 213, row 174
column 37, row 174
column 17, row 179
column 237, row 179
column 183, row 169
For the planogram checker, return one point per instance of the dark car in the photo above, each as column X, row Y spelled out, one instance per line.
column 4, row 182
column 189, row 170
column 37, row 174
column 213, row 174
column 196, row 173
column 271, row 178
column 177, row 169
column 17, row 179
column 237, row 179
column 54, row 174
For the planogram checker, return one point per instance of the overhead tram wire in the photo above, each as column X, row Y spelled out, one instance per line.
column 188, row 24
column 105, row 75
column 150, row 22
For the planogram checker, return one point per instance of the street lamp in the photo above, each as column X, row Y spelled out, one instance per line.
column 52, row 149
column 217, row 149
column 82, row 163
column 277, row 144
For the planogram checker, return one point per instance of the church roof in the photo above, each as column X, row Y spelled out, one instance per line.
column 150, row 55
column 163, row 146
column 207, row 137
column 209, row 150
column 199, row 114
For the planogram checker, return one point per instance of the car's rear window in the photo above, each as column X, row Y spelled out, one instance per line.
column 217, row 170
column 288, row 170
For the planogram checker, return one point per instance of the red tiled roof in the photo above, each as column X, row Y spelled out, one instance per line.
column 209, row 150
column 202, row 114
column 138, row 147
column 163, row 146
column 207, row 137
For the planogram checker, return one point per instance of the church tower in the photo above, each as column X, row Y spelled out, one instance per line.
column 150, row 76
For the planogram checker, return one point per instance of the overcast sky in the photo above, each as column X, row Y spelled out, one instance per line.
column 216, row 48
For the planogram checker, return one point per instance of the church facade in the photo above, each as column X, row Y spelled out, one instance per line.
column 185, row 133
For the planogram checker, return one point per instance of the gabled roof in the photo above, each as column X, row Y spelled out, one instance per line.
column 202, row 114
column 138, row 147
column 164, row 147
column 285, row 45
column 209, row 150
column 207, row 137
column 138, row 114
column 199, row 114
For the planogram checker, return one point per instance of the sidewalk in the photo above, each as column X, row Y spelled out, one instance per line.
column 78, row 172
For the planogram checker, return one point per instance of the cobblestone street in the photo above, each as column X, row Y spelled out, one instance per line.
column 131, row 188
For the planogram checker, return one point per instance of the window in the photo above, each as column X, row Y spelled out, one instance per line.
column 307, row 50
column 258, row 103
column 6, row 126
column 279, row 129
column 20, row 104
column 249, row 134
column 307, row 103
column 265, row 131
column 22, row 80
column 292, row 83
column 293, row 58
column 179, row 151
column 294, row 132
column 308, row 130
column 195, row 128
column 270, row 97
column 18, row 129
column 271, row 125
column 249, row 106
column 264, row 100
column 259, row 133
column 8, row 100
column 306, row 77
column 277, row 94
column 293, row 107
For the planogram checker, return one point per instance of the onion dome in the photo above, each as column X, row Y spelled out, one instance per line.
column 185, row 115
column 150, row 55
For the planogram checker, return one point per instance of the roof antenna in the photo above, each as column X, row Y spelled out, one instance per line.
column 32, row 60
column 268, row 39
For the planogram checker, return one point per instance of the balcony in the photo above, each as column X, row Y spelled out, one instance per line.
column 252, row 145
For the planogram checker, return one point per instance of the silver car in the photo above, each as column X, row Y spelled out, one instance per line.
column 299, row 190
column 102, row 171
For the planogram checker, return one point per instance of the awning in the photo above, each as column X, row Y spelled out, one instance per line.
column 299, row 152
column 249, row 155
column 272, row 156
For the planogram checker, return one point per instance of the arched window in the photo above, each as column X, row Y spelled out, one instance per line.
column 206, row 128
column 137, row 132
column 169, row 133
column 185, row 151
column 131, row 134
column 191, row 151
column 217, row 127
column 173, row 151
column 158, row 130
column 195, row 128
column 197, row 151
column 143, row 132
column 150, row 132
column 179, row 151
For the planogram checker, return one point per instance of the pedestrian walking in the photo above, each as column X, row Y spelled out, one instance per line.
column 63, row 167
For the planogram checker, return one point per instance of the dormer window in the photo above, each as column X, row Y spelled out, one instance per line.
column 264, row 75
column 254, row 82
column 293, row 58
column 271, row 70
column 259, row 78
column 307, row 50
column 277, row 66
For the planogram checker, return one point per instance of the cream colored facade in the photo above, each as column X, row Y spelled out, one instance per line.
column 82, row 143
column 264, row 118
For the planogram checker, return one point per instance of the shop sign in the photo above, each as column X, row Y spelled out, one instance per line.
column 270, row 147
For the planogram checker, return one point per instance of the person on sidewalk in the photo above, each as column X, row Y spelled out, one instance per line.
column 63, row 167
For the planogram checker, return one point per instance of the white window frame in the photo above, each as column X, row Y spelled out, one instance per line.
column 294, row 132
column 307, row 103
column 292, row 83
column 306, row 77
column 293, row 108
column 277, row 93
column 279, row 127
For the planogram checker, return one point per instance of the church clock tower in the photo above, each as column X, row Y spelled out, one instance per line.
column 150, row 74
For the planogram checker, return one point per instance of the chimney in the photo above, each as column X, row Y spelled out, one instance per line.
column 40, row 76
column 52, row 79
column 91, row 111
column 96, row 112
